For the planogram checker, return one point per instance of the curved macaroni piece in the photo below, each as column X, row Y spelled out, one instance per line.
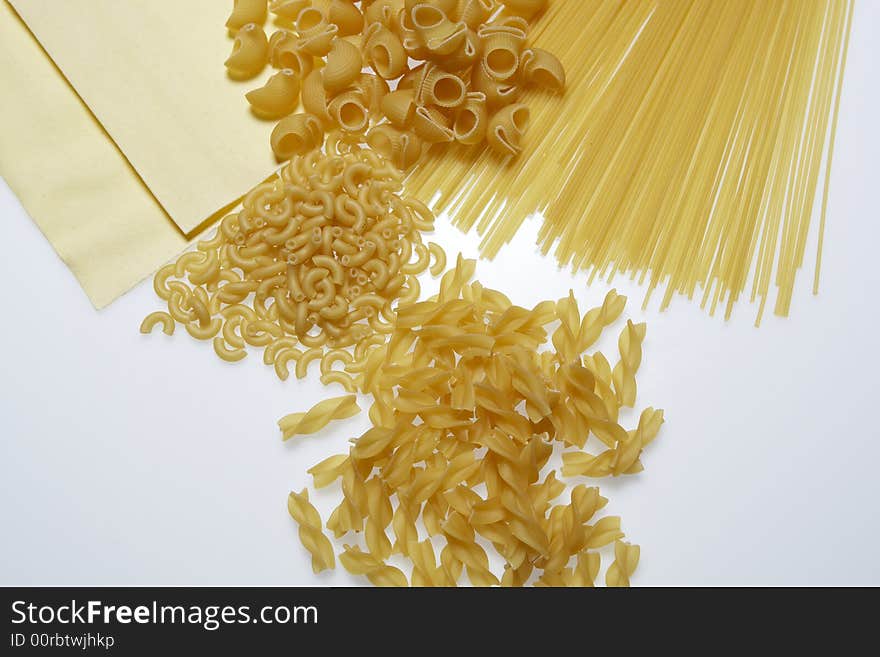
column 296, row 134
column 246, row 11
column 278, row 97
column 319, row 416
column 343, row 66
column 349, row 111
column 250, row 52
column 543, row 68
column 150, row 321
column 506, row 128
column 398, row 107
column 227, row 354
column 384, row 52
column 284, row 52
column 310, row 533
column 432, row 126
column 439, row 257
column 471, row 119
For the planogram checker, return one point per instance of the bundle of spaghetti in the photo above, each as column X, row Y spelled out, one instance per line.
column 467, row 405
column 311, row 267
column 687, row 150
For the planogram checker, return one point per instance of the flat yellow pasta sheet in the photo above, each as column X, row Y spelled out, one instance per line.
column 71, row 178
column 152, row 73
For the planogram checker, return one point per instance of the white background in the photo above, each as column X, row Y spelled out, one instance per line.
column 131, row 459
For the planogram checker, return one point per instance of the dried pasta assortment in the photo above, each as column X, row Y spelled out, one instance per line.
column 458, row 67
column 322, row 251
column 467, row 406
column 692, row 147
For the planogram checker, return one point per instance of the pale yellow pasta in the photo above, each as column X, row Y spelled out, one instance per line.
column 501, row 55
column 440, row 35
column 431, row 125
column 441, row 88
column 314, row 96
column 380, row 11
column 302, row 364
column 349, row 111
column 543, row 68
column 398, row 107
column 384, row 52
column 439, row 258
column 310, row 533
column 315, row 32
column 227, row 354
column 474, row 13
column 498, row 94
column 471, row 119
column 525, row 8
column 288, row 10
column 342, row 67
column 295, row 135
column 246, row 11
column 159, row 317
column 506, row 128
column 346, row 17
column 284, row 52
column 250, row 52
column 626, row 559
column 402, row 148
column 318, row 416
column 630, row 345
column 278, row 97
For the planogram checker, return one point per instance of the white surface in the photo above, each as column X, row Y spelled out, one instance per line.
column 130, row 459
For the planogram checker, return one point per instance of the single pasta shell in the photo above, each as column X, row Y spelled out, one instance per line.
column 250, row 52
column 346, row 17
column 506, row 128
column 384, row 52
column 399, row 107
column 402, row 148
column 543, row 69
column 429, row 124
column 446, row 39
column 471, row 119
column 498, row 94
column 295, row 135
column 343, row 66
column 314, row 96
column 501, row 55
column 412, row 78
column 246, row 11
column 441, row 89
column 319, row 43
column 348, row 110
column 278, row 97
column 310, row 21
column 374, row 89
column 466, row 55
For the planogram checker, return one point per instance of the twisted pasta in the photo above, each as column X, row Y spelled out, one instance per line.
column 379, row 573
column 310, row 533
column 626, row 559
column 319, row 416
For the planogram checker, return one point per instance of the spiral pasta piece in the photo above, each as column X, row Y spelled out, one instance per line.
column 626, row 559
column 630, row 346
column 278, row 97
column 379, row 573
column 319, row 416
column 310, row 533
column 250, row 52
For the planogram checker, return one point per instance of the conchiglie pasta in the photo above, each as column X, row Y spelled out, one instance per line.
column 296, row 134
column 506, row 128
column 384, row 52
column 343, row 66
column 542, row 68
column 278, row 97
column 246, row 11
column 250, row 52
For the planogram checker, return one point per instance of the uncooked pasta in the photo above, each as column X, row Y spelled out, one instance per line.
column 466, row 408
column 686, row 151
